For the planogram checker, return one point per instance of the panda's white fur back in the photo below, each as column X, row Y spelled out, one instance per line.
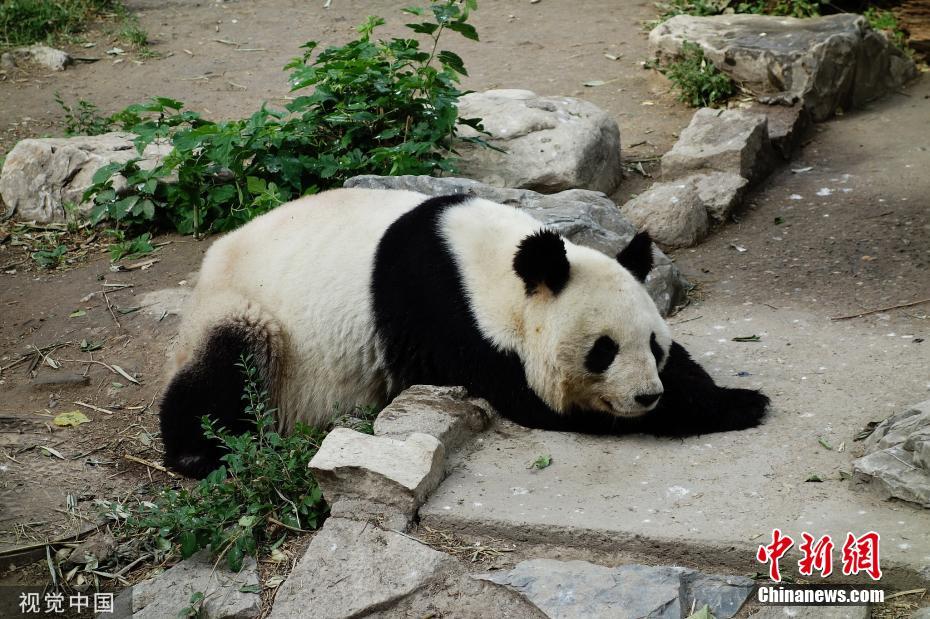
column 311, row 292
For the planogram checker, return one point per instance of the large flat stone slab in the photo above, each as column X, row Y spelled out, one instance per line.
column 353, row 568
column 168, row 593
column 584, row 217
column 825, row 62
column 549, row 144
column 710, row 500
column 579, row 589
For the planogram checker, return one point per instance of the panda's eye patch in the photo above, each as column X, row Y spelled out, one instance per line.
column 657, row 351
column 601, row 355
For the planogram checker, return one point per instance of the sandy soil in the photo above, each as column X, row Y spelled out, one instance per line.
column 835, row 253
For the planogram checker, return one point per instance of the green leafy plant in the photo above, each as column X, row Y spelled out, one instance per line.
column 360, row 419
column 702, row 8
column 50, row 258
column 541, row 462
column 699, row 8
column 376, row 107
column 130, row 248
column 31, row 21
column 83, row 118
column 194, row 609
column 134, row 34
column 886, row 22
column 784, row 8
column 697, row 81
column 263, row 485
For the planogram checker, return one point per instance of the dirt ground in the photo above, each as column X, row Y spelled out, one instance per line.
column 833, row 252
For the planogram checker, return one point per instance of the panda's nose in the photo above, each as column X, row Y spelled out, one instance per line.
column 647, row 399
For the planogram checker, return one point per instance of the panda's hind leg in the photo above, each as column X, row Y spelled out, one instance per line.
column 212, row 383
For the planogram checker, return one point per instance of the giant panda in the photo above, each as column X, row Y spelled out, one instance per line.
column 349, row 296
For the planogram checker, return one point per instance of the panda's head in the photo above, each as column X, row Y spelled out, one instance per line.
column 592, row 337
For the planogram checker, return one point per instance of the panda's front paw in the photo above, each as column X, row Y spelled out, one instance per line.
column 741, row 409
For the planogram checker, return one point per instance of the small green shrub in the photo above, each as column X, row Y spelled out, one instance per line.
column 377, row 107
column 263, row 483
column 129, row 248
column 23, row 22
column 785, row 8
column 885, row 21
column 702, row 8
column 360, row 419
column 83, row 118
column 698, row 82
column 50, row 258
column 133, row 34
column 699, row 8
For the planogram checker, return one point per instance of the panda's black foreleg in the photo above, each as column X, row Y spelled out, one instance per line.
column 694, row 404
column 209, row 384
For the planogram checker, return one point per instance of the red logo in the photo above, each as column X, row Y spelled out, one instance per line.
column 773, row 552
column 860, row 554
column 817, row 556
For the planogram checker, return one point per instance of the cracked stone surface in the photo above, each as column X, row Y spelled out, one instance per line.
column 734, row 141
column 552, row 143
column 447, row 413
column 168, row 593
column 352, row 568
column 398, row 474
column 897, row 460
column 584, row 217
column 579, row 589
column 830, row 62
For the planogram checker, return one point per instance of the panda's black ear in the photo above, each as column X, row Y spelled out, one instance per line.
column 541, row 261
column 637, row 256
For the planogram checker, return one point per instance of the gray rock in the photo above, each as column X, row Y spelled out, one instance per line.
column 825, row 62
column 460, row 596
column 813, row 612
column 392, row 473
column 584, row 217
column 447, row 413
column 719, row 192
column 897, row 459
column 48, row 378
column 896, row 429
column 44, row 56
column 733, row 141
column 672, row 213
column 353, row 568
column 570, row 589
column 7, row 61
column 551, row 143
column 787, row 125
column 95, row 549
column 41, row 175
column 921, row 613
column 168, row 593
